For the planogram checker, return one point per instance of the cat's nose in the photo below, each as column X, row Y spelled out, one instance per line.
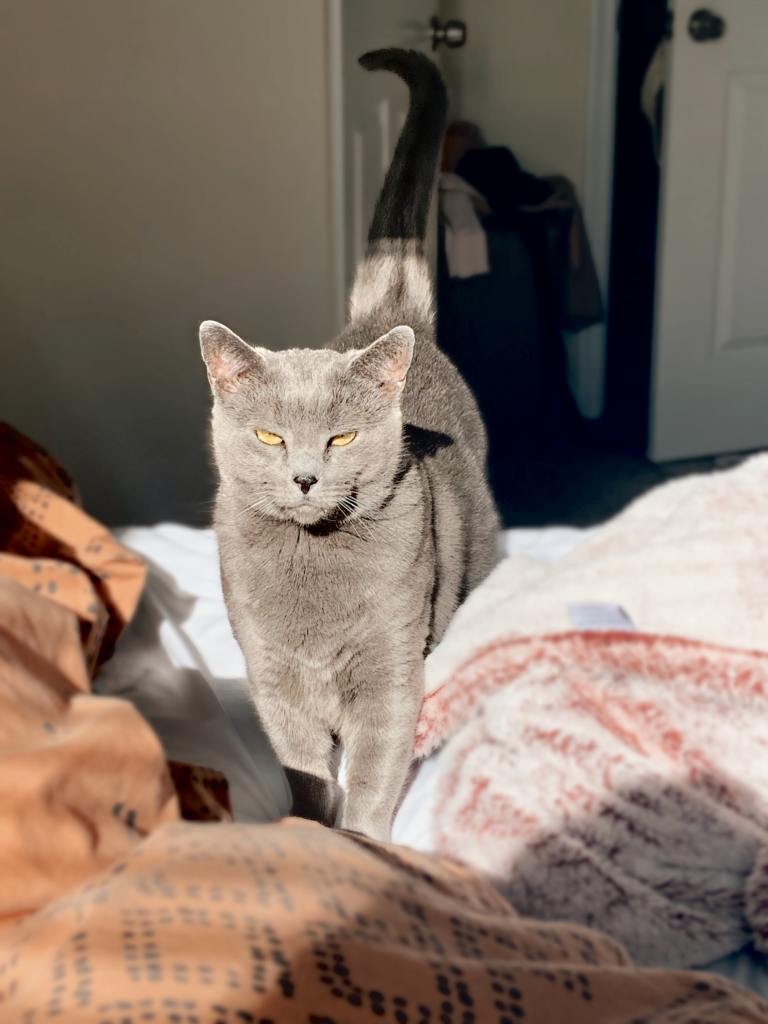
column 305, row 482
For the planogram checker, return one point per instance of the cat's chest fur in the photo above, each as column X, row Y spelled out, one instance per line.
column 318, row 596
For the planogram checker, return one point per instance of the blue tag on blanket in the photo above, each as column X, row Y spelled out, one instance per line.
column 596, row 615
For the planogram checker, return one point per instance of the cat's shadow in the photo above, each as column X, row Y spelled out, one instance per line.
column 421, row 443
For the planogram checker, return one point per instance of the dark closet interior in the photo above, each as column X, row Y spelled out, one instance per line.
column 548, row 464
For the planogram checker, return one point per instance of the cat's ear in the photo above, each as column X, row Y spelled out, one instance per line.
column 385, row 362
column 230, row 361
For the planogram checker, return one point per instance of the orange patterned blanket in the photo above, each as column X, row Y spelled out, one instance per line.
column 296, row 923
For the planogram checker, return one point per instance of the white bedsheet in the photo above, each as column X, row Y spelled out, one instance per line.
column 179, row 663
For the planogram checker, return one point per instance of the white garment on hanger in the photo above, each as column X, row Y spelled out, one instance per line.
column 466, row 244
column 651, row 93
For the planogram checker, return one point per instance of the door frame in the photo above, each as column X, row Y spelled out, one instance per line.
column 334, row 42
column 588, row 348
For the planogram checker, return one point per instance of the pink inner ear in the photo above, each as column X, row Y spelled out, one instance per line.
column 226, row 371
column 393, row 374
column 399, row 367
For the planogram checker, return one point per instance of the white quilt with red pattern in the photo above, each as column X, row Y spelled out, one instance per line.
column 619, row 779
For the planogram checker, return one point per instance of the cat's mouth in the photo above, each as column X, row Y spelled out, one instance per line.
column 305, row 513
column 308, row 513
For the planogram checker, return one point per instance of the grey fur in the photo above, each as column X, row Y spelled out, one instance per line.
column 336, row 595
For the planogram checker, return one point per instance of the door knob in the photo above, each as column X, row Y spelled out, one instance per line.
column 451, row 33
column 705, row 26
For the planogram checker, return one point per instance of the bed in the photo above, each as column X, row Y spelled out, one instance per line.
column 180, row 665
column 592, row 743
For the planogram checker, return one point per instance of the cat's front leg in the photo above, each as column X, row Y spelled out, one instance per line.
column 303, row 746
column 378, row 735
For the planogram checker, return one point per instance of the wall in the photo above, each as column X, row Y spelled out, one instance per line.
column 523, row 77
column 162, row 164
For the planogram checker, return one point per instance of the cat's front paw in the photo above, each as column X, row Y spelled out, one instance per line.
column 313, row 797
column 371, row 829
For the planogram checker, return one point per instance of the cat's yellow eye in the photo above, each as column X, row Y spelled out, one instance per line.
column 267, row 437
column 343, row 439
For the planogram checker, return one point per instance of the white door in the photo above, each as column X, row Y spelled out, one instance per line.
column 710, row 378
column 374, row 106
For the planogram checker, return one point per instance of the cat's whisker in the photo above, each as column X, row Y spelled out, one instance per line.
column 355, row 523
column 251, row 508
column 262, row 504
column 349, row 529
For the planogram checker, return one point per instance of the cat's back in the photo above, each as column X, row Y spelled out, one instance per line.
column 436, row 397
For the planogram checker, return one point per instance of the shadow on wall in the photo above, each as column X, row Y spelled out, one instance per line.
column 139, row 198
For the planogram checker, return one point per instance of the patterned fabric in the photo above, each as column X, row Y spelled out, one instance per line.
column 615, row 779
column 618, row 780
column 203, row 792
column 86, row 771
column 82, row 778
column 49, row 545
column 296, row 923
column 687, row 559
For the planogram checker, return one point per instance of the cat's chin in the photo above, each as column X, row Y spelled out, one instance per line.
column 305, row 515
column 315, row 515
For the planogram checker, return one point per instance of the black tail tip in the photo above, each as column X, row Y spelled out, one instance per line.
column 406, row 63
column 385, row 58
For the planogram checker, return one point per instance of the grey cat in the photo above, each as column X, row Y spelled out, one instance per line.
column 353, row 513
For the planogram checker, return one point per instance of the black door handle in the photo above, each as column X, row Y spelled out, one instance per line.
column 451, row 33
column 705, row 26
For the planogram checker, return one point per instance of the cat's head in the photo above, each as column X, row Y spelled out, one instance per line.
column 306, row 435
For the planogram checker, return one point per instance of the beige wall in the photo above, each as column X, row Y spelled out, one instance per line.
column 523, row 77
column 164, row 161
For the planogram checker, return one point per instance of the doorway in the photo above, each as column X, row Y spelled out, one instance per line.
column 574, row 408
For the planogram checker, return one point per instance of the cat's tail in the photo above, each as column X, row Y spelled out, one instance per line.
column 394, row 273
column 403, row 205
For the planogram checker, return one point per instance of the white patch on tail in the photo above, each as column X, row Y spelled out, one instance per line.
column 394, row 262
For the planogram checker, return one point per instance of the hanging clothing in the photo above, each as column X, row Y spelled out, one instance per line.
column 652, row 94
column 466, row 244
